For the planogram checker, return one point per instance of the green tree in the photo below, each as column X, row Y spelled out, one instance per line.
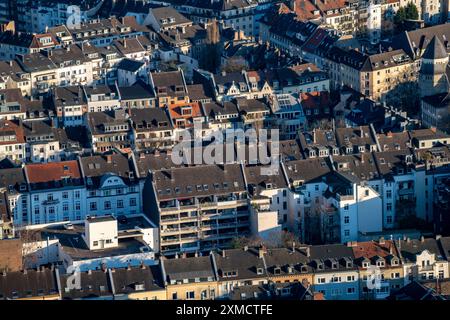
column 408, row 12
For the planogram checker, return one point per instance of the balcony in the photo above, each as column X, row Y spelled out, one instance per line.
column 50, row 202
column 406, row 191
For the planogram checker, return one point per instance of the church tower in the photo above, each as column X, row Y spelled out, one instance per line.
column 432, row 77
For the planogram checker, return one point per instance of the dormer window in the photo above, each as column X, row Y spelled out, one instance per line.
column 139, row 287
column 259, row 271
column 380, row 263
column 277, row 270
column 320, row 265
column 334, row 265
column 303, row 269
column 365, row 264
column 230, row 274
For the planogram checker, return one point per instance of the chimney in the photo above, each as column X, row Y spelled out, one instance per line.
column 245, row 248
column 438, row 236
column 293, row 246
column 382, row 241
column 261, row 251
column 103, row 266
column 89, row 272
column 223, row 253
column 361, row 132
column 422, row 239
column 129, row 267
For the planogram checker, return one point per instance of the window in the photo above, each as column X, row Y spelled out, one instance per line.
column 93, row 206
column 132, row 202
column 388, row 194
column 346, row 219
column 190, row 295
column 65, row 195
column 347, row 233
column 321, row 280
column 350, row 290
column 389, row 206
column 346, row 207
column 95, row 243
column 77, row 194
column 174, row 296
column 119, row 203
column 107, row 205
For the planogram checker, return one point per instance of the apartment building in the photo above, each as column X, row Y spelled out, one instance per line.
column 335, row 273
column 372, row 75
column 239, row 268
column 108, row 130
column 12, row 141
column 102, row 32
column 193, row 278
column 170, row 88
column 101, row 98
column 287, row 115
column 56, row 192
column 197, row 208
column 42, row 71
column 384, row 256
column 137, row 95
column 112, row 185
column 70, row 105
column 151, row 128
column 43, row 141
column 14, row 43
column 74, row 68
column 13, row 181
column 41, row 284
column 422, row 259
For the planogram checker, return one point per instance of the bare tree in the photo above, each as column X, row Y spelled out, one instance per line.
column 405, row 91
column 28, row 250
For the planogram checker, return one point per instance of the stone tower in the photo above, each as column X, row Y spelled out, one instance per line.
column 432, row 77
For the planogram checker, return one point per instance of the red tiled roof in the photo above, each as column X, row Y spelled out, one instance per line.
column 175, row 111
column 315, row 99
column 304, row 9
column 8, row 127
column 52, row 171
column 370, row 249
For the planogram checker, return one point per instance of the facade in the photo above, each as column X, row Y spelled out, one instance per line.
column 197, row 215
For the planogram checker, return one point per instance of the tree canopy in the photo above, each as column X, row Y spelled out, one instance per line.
column 408, row 12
